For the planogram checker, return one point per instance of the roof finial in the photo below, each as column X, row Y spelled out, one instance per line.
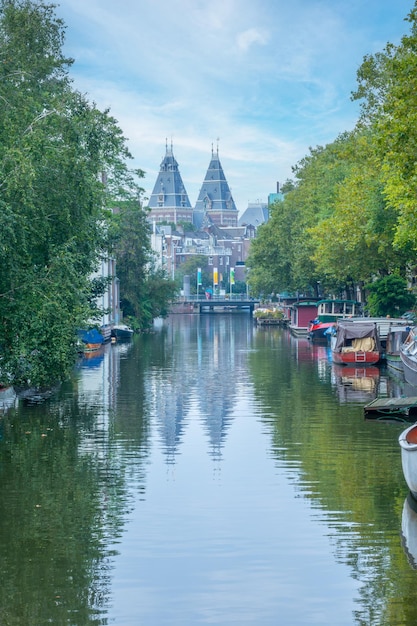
column 166, row 145
column 212, row 149
column 218, row 139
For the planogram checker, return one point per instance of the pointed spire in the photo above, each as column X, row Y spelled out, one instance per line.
column 169, row 200
column 215, row 196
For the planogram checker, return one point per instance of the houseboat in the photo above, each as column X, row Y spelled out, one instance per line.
column 302, row 313
column 328, row 312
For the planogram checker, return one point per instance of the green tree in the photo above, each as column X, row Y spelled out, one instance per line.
column 190, row 267
column 387, row 90
column 282, row 255
column 389, row 296
column 355, row 242
column 54, row 145
column 145, row 291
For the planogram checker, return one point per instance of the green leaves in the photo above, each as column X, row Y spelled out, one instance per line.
column 144, row 290
column 54, row 148
column 351, row 216
column 389, row 296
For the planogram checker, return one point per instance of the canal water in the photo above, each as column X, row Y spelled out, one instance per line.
column 209, row 472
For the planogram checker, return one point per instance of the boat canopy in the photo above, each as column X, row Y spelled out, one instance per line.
column 349, row 330
column 91, row 336
column 338, row 308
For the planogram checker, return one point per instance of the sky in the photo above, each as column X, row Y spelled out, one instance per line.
column 262, row 81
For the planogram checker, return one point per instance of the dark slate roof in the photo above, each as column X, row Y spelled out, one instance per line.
column 169, row 188
column 256, row 214
column 233, row 232
column 215, row 194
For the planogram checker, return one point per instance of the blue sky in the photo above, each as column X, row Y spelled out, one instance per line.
column 263, row 79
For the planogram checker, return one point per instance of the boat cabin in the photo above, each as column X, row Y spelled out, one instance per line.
column 332, row 310
column 302, row 313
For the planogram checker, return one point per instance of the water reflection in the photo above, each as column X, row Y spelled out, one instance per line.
column 355, row 384
column 409, row 530
column 209, row 472
column 8, row 399
column 206, row 382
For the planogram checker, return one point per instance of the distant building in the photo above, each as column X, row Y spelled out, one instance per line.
column 220, row 235
column 215, row 203
column 277, row 196
column 169, row 200
column 255, row 215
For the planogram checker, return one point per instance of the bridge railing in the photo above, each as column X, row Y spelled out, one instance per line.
column 234, row 297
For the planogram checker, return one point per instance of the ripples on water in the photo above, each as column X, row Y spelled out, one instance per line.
column 210, row 472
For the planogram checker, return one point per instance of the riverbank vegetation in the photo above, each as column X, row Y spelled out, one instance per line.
column 62, row 162
column 349, row 217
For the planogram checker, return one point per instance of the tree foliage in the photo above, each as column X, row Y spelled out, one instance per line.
column 56, row 148
column 190, row 268
column 389, row 296
column 350, row 216
column 145, row 290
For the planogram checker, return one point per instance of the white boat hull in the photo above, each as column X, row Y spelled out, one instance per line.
column 408, row 445
column 409, row 367
column 409, row 530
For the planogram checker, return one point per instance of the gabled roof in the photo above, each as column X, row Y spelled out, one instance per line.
column 215, row 194
column 169, row 191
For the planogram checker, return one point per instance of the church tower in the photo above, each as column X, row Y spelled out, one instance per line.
column 169, row 200
column 215, row 199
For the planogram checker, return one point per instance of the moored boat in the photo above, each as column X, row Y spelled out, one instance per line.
column 121, row 332
column 408, row 445
column 355, row 344
column 395, row 338
column 91, row 339
column 408, row 354
column 328, row 312
column 302, row 312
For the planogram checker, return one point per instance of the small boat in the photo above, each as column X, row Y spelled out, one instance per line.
column 91, row 339
column 396, row 336
column 383, row 326
column 355, row 344
column 408, row 354
column 122, row 332
column 328, row 313
column 408, row 445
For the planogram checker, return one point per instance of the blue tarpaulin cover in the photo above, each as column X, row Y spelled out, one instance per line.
column 91, row 336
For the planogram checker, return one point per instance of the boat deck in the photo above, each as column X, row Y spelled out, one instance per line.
column 391, row 407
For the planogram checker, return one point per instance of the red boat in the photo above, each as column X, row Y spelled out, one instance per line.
column 356, row 343
column 318, row 330
column 328, row 313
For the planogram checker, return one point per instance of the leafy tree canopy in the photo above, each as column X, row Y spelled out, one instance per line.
column 389, row 296
column 60, row 160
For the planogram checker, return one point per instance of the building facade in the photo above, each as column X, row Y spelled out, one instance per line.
column 169, row 200
column 215, row 200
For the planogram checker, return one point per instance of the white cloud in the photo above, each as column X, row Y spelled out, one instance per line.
column 270, row 78
column 251, row 36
